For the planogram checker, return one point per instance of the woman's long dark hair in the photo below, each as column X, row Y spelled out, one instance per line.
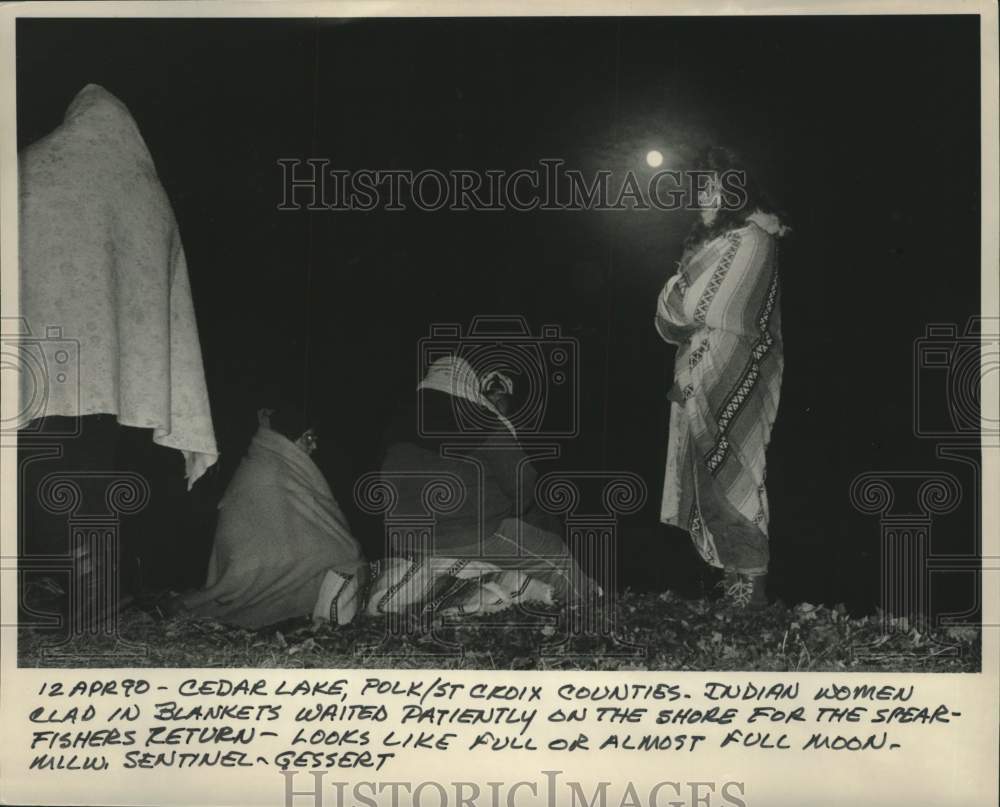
column 743, row 194
column 289, row 419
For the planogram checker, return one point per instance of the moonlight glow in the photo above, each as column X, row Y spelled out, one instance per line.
column 654, row 159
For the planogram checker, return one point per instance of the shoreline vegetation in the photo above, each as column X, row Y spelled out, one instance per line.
column 650, row 632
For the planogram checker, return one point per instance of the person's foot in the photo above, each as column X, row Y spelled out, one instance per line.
column 744, row 591
column 338, row 599
column 536, row 591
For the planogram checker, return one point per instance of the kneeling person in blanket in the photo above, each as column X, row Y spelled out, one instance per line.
column 283, row 547
column 493, row 550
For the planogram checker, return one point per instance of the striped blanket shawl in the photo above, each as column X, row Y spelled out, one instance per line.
column 722, row 310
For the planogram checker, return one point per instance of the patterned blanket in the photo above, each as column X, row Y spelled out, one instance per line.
column 722, row 309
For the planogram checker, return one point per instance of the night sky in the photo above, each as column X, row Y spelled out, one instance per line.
column 867, row 129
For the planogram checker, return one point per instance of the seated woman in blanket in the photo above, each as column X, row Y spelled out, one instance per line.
column 494, row 548
column 722, row 309
column 283, row 547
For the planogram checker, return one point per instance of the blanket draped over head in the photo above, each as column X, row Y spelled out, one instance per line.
column 722, row 309
column 280, row 530
column 454, row 375
column 101, row 260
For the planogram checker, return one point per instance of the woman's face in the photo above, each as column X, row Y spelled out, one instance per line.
column 710, row 200
column 309, row 441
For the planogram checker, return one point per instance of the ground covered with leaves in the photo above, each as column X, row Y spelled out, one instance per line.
column 644, row 632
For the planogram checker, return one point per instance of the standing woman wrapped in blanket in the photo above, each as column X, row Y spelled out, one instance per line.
column 722, row 310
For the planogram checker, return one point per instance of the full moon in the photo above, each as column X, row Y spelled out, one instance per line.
column 654, row 159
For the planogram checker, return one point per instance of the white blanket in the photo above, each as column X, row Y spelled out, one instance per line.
column 101, row 259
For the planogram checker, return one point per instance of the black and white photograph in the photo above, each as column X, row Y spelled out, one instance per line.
column 500, row 343
column 473, row 404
